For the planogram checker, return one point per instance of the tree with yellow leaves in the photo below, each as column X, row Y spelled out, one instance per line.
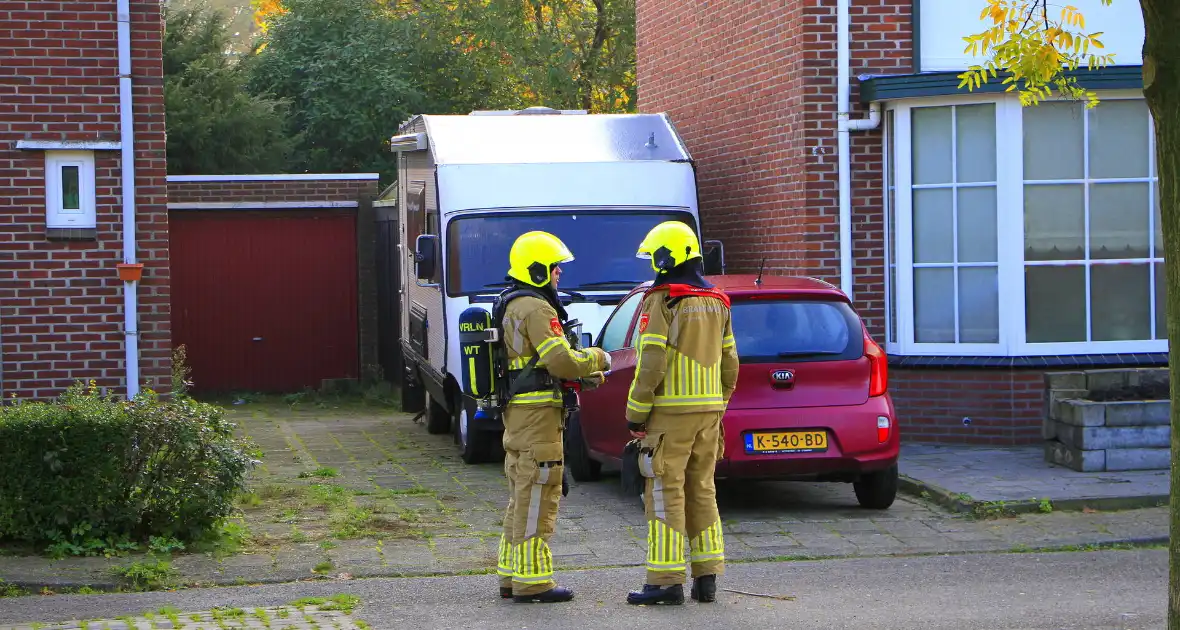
column 1040, row 51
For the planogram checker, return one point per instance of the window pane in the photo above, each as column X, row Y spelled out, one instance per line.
column 1054, row 222
column 1055, row 304
column 1161, row 300
column 977, row 224
column 933, row 225
column 1053, row 141
column 1118, row 221
column 975, row 139
column 769, row 330
column 1159, row 226
column 1120, row 305
column 979, row 305
column 891, row 218
column 71, row 191
column 614, row 334
column 934, row 305
column 1118, row 140
column 931, row 145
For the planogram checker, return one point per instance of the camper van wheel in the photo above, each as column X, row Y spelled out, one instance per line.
column 413, row 397
column 473, row 443
column 577, row 456
column 438, row 421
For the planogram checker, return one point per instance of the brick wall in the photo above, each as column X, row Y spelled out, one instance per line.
column 752, row 88
column 61, row 317
column 280, row 188
column 1004, row 406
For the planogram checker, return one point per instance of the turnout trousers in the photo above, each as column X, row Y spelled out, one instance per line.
column 680, row 496
column 533, row 463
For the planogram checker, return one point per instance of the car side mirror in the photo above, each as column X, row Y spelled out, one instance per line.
column 587, row 340
column 714, row 258
column 426, row 256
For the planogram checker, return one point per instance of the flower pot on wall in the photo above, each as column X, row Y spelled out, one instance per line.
column 130, row 272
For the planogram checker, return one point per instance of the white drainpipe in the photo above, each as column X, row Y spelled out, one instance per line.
column 843, row 126
column 127, row 139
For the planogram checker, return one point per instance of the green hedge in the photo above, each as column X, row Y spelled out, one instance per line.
column 91, row 468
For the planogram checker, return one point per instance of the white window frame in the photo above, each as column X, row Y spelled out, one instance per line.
column 85, row 216
column 1009, row 230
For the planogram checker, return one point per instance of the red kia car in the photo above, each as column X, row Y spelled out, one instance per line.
column 811, row 401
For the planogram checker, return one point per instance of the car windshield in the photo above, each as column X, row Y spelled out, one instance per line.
column 783, row 331
column 603, row 244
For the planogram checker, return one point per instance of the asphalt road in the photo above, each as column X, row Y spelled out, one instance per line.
column 1083, row 590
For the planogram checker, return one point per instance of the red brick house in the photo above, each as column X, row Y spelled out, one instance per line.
column 985, row 243
column 82, row 166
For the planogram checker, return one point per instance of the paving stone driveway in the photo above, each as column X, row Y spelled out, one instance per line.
column 403, row 503
column 277, row 618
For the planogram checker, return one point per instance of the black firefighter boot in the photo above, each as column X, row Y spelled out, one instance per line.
column 505, row 592
column 704, row 588
column 653, row 594
column 552, row 596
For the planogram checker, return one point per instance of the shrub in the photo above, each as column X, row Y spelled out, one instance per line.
column 96, row 471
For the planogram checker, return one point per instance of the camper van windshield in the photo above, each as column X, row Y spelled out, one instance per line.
column 603, row 244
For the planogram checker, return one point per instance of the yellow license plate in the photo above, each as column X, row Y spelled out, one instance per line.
column 787, row 442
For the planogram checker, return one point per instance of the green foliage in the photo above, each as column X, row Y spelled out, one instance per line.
column 152, row 575
column 566, row 54
column 354, row 70
column 342, row 65
column 90, row 474
column 1034, row 50
column 214, row 125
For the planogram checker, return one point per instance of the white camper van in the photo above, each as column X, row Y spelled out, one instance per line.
column 469, row 185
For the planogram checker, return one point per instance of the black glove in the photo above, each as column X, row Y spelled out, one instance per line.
column 565, row 482
column 633, row 480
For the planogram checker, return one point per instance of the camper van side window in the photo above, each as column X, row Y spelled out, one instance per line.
column 415, row 208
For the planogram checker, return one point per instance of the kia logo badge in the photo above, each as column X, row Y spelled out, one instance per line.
column 782, row 377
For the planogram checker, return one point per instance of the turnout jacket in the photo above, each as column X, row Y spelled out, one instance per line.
column 531, row 328
column 687, row 359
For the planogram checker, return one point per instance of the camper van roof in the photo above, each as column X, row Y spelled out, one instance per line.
column 458, row 139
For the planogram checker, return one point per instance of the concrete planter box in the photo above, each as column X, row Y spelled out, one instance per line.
column 1087, row 431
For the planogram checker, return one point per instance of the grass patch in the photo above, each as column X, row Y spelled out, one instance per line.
column 11, row 590
column 146, row 576
column 322, row 472
column 344, row 603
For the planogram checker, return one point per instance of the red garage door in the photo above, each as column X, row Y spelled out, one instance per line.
column 265, row 301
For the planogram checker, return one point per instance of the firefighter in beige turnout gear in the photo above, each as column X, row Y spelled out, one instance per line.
column 685, row 374
column 534, row 417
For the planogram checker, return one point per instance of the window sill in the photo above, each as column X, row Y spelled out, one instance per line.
column 71, row 234
column 1137, row 359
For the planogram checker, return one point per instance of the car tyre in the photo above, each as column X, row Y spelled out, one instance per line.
column 475, row 447
column 577, row 454
column 877, row 490
column 438, row 420
column 413, row 395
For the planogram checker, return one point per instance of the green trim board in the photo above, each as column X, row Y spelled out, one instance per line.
column 894, row 87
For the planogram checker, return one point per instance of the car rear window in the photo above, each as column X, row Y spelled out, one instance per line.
column 796, row 330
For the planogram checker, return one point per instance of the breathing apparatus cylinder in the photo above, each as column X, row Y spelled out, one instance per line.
column 475, row 348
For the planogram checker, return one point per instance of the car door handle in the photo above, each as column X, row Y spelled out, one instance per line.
column 256, row 339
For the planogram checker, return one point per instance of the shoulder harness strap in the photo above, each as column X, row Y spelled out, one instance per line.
column 498, row 310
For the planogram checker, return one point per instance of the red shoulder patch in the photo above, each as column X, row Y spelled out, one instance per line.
column 555, row 326
column 682, row 290
column 643, row 322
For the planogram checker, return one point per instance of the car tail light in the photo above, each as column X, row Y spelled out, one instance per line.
column 882, row 429
column 878, row 367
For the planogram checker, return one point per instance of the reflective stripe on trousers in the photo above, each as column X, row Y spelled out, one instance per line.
column 708, row 545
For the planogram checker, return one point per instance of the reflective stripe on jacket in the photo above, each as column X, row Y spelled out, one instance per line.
column 686, row 359
column 531, row 328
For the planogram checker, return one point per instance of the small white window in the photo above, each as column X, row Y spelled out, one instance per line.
column 69, row 189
